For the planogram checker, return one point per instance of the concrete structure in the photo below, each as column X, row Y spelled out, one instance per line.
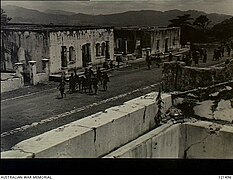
column 96, row 135
column 66, row 47
column 137, row 40
column 198, row 139
column 129, row 131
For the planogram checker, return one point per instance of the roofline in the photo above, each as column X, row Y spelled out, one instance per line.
column 49, row 27
column 144, row 28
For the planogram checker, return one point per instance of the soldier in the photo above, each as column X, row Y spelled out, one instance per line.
column 201, row 52
column 86, row 72
column 205, row 56
column 118, row 60
column 84, row 83
column 95, row 82
column 158, row 61
column 89, row 84
column 111, row 65
column 228, row 50
column 148, row 60
column 90, row 72
column 105, row 81
column 99, row 75
column 218, row 53
column 195, row 57
column 72, row 83
column 222, row 51
column 61, row 87
column 170, row 57
column 77, row 80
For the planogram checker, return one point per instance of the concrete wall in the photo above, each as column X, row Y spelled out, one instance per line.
column 77, row 39
column 162, row 142
column 96, row 135
column 177, row 77
column 208, row 140
column 189, row 140
column 11, row 84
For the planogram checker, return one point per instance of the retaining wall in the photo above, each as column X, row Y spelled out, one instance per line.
column 177, row 77
column 188, row 140
column 96, row 135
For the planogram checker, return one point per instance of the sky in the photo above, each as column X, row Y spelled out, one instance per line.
column 112, row 6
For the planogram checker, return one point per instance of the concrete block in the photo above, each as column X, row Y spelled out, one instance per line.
column 140, row 147
column 166, row 144
column 150, row 108
column 209, row 140
column 15, row 153
column 66, row 141
column 114, row 127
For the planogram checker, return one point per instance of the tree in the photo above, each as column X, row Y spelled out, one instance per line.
column 186, row 27
column 4, row 18
column 223, row 30
column 202, row 22
column 181, row 21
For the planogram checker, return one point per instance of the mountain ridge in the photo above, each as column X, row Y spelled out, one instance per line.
column 128, row 18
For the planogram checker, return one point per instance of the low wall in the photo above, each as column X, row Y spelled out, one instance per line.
column 163, row 142
column 96, row 135
column 40, row 78
column 177, row 77
column 11, row 84
column 209, row 103
column 188, row 140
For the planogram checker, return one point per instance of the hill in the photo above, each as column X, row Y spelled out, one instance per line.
column 223, row 30
column 129, row 18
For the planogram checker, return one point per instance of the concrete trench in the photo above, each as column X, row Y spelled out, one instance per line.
column 188, row 140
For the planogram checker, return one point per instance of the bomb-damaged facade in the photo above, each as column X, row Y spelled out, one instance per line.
column 66, row 47
column 136, row 40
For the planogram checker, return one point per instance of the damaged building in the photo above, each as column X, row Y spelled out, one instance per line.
column 65, row 47
column 133, row 40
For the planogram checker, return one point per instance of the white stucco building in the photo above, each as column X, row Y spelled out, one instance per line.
column 65, row 46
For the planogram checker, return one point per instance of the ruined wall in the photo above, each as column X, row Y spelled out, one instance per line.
column 24, row 46
column 177, row 77
column 171, row 34
column 77, row 39
column 214, row 103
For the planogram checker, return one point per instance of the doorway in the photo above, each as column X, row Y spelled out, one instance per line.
column 86, row 54
column 63, row 56
column 166, row 45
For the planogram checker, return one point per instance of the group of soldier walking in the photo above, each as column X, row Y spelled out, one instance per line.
column 219, row 52
column 86, row 83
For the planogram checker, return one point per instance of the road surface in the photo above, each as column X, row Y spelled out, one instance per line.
column 34, row 110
